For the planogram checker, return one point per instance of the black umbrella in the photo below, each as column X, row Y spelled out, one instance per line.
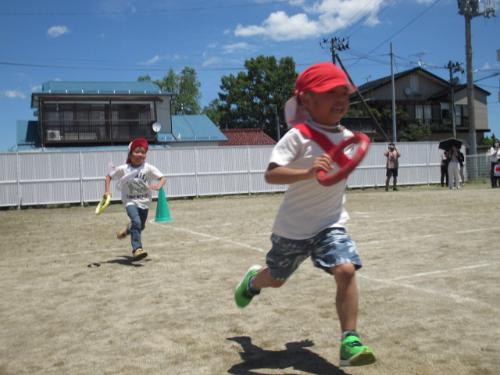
column 448, row 143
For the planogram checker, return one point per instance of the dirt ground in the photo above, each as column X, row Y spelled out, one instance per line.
column 73, row 303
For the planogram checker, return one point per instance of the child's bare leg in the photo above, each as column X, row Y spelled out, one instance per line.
column 264, row 280
column 347, row 296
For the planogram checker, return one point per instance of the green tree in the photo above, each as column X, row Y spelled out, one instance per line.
column 250, row 99
column 414, row 132
column 186, row 87
column 212, row 111
column 487, row 141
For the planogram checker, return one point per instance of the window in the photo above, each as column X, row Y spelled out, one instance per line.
column 445, row 111
column 423, row 113
column 419, row 112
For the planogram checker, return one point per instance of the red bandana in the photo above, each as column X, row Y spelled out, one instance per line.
column 138, row 142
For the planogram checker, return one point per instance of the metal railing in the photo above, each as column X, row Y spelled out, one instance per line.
column 78, row 131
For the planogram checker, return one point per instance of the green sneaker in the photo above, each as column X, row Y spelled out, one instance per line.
column 242, row 296
column 354, row 353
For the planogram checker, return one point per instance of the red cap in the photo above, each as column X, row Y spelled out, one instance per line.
column 322, row 77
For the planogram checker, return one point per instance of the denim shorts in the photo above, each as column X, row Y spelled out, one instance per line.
column 329, row 248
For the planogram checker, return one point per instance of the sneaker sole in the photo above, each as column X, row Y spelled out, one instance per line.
column 140, row 256
column 361, row 359
column 255, row 267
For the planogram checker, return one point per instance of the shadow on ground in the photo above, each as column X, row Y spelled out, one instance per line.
column 295, row 356
column 124, row 260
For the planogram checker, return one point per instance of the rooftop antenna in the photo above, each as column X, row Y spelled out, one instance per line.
column 420, row 55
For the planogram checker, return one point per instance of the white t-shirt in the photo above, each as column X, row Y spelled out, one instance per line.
column 134, row 183
column 308, row 207
column 494, row 154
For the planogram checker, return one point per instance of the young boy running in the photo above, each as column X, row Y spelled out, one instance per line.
column 311, row 220
column 135, row 181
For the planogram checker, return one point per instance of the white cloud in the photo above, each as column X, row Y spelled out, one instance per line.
column 208, row 61
column 157, row 58
column 57, row 31
column 13, row 94
column 322, row 17
column 231, row 48
column 36, row 88
column 152, row 60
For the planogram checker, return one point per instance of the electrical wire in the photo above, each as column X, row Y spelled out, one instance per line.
column 133, row 11
column 400, row 30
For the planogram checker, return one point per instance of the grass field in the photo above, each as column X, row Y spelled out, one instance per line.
column 73, row 303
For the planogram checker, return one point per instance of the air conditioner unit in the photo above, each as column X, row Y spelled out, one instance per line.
column 53, row 135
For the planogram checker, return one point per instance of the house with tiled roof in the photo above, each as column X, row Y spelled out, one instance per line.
column 245, row 137
column 424, row 99
column 92, row 114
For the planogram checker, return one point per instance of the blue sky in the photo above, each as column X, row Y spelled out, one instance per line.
column 119, row 40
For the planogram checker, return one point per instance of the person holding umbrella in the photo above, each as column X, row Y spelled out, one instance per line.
column 454, row 168
column 444, row 169
column 452, row 147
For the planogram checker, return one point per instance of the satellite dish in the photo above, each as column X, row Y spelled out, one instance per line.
column 156, row 127
column 408, row 91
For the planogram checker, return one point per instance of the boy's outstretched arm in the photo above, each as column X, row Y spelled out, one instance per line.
column 281, row 175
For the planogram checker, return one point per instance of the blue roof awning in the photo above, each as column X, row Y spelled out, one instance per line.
column 195, row 128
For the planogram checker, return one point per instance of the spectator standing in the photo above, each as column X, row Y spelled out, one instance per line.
column 461, row 162
column 444, row 169
column 392, row 154
column 453, row 169
column 494, row 155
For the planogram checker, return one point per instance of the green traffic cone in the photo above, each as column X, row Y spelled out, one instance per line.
column 162, row 211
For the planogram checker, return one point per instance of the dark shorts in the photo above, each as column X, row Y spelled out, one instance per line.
column 329, row 248
column 391, row 172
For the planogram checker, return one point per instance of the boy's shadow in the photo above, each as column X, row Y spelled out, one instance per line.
column 124, row 260
column 295, row 355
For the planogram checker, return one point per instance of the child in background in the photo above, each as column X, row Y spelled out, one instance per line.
column 311, row 220
column 135, row 178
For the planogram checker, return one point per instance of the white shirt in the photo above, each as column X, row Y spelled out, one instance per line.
column 494, row 154
column 308, row 207
column 134, row 183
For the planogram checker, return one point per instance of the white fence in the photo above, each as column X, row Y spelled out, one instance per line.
column 48, row 177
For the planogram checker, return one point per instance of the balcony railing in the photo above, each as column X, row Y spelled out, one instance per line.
column 75, row 132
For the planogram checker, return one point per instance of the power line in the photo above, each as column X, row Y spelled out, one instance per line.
column 400, row 30
column 136, row 68
column 137, row 12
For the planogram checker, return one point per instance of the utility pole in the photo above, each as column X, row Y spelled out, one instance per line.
column 453, row 67
column 277, row 120
column 470, row 9
column 337, row 44
column 393, row 91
